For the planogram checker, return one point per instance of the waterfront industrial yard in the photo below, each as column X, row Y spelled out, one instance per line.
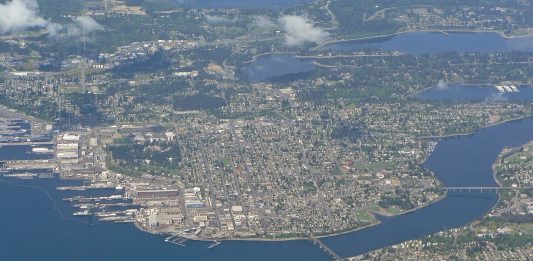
column 266, row 130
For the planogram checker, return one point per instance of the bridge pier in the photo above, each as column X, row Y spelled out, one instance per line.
column 323, row 246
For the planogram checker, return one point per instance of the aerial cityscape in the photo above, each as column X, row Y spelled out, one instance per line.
column 266, row 130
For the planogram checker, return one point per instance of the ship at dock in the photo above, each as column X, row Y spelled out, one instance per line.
column 83, row 213
column 42, row 150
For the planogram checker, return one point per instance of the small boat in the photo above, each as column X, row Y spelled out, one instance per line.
column 215, row 244
column 85, row 212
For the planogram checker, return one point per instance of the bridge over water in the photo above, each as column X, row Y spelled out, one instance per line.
column 323, row 246
column 469, row 189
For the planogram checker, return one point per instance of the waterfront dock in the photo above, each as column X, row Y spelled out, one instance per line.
column 29, row 164
column 176, row 239
column 95, row 199
column 26, row 143
column 83, row 188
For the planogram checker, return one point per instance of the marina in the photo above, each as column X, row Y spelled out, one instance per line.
column 96, row 199
column 29, row 175
column 177, row 240
column 102, row 208
column 113, row 239
column 507, row 88
column 460, row 92
column 85, row 212
column 74, row 213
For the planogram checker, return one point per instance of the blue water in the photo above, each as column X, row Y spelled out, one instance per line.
column 240, row 4
column 458, row 92
column 36, row 224
column 32, row 229
column 21, row 152
column 270, row 67
column 418, row 43
column 458, row 161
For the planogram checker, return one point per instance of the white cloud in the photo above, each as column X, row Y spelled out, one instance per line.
column 88, row 23
column 442, row 85
column 54, row 29
column 263, row 22
column 18, row 15
column 80, row 24
column 298, row 30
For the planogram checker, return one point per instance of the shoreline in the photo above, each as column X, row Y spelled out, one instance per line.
column 355, row 229
column 503, row 154
column 384, row 214
column 443, row 31
column 258, row 239
column 448, row 135
column 374, row 213
column 475, row 131
column 493, row 174
column 333, row 234
column 483, row 85
column 499, row 184
column 257, row 56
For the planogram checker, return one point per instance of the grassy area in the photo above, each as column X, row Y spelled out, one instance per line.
column 364, row 215
column 134, row 159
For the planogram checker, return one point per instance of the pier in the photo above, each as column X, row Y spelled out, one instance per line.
column 83, row 188
column 323, row 246
column 176, row 239
column 29, row 164
column 26, row 143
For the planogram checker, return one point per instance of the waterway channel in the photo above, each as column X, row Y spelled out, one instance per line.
column 273, row 67
column 32, row 228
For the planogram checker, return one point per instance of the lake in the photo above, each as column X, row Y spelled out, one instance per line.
column 458, row 92
column 32, row 228
column 240, row 4
column 271, row 67
column 417, row 43
column 277, row 67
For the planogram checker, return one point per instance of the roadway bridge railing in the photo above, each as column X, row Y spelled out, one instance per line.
column 474, row 188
